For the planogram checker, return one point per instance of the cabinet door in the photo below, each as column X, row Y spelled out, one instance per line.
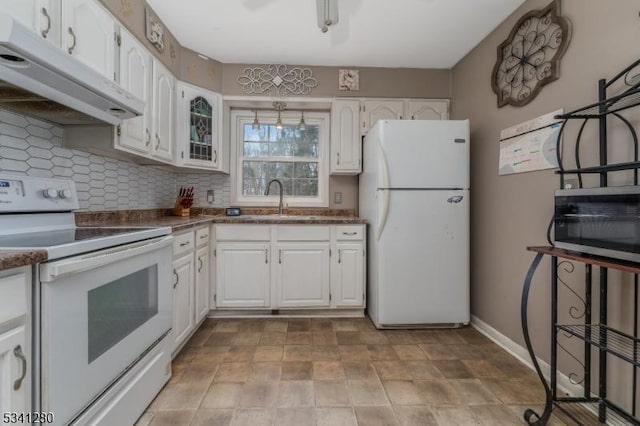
column 428, row 109
column 163, row 112
column 89, row 34
column 242, row 275
column 198, row 127
column 302, row 275
column 183, row 283
column 373, row 111
column 24, row 11
column 347, row 275
column 346, row 146
column 135, row 77
column 40, row 16
column 202, row 283
column 14, row 372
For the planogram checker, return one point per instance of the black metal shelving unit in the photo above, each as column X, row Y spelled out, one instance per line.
column 594, row 332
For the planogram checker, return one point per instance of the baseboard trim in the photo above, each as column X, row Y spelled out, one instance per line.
column 522, row 355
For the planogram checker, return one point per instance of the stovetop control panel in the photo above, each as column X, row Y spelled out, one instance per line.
column 34, row 194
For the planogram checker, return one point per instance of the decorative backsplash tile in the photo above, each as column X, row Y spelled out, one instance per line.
column 32, row 147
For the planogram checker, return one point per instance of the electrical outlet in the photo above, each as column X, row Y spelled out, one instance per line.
column 210, row 196
column 337, row 197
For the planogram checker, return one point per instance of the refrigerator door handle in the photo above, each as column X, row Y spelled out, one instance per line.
column 455, row 199
column 385, row 193
column 384, row 211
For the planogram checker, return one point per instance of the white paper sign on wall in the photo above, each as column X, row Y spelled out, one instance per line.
column 531, row 145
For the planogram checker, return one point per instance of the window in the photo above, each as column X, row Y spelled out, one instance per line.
column 297, row 158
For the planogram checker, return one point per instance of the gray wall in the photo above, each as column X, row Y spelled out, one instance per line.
column 511, row 212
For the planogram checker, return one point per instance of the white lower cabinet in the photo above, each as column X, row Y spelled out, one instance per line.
column 191, row 281
column 13, row 371
column 15, row 340
column 302, row 275
column 289, row 267
column 203, row 271
column 347, row 275
column 183, row 318
column 242, row 275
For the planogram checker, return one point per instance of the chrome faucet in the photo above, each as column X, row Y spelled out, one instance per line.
column 266, row 192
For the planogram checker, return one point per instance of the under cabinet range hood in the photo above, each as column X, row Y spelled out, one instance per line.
column 41, row 80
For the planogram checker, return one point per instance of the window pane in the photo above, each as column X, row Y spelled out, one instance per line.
column 263, row 152
column 251, row 186
column 306, row 187
column 256, row 149
column 279, row 170
column 306, row 170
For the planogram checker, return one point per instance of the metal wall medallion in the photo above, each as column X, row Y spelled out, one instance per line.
column 154, row 30
column 530, row 57
column 277, row 80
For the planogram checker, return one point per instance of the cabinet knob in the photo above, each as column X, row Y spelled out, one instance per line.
column 177, row 279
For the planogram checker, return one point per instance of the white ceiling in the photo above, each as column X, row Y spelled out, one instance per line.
column 380, row 33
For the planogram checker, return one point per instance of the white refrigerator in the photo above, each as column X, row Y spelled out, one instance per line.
column 414, row 193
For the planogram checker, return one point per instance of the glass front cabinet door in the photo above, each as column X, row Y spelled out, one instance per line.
column 199, row 128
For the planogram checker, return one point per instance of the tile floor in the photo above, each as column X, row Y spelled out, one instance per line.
column 334, row 372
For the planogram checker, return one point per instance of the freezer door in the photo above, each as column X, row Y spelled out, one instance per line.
column 424, row 153
column 423, row 258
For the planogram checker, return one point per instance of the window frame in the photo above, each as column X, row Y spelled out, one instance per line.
column 241, row 117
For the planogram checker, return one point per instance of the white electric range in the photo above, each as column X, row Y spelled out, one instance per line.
column 101, row 305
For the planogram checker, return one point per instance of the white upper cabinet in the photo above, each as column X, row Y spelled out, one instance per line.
column 40, row 16
column 163, row 117
column 199, row 130
column 135, row 77
column 346, row 146
column 374, row 110
column 88, row 33
column 402, row 109
column 428, row 109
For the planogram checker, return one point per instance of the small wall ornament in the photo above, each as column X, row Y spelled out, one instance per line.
column 154, row 30
column 349, row 80
column 530, row 57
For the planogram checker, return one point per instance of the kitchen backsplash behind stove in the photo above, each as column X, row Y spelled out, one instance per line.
column 33, row 147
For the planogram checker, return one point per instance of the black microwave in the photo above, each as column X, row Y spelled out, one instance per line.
column 600, row 221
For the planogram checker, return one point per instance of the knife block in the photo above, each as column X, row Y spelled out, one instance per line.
column 178, row 210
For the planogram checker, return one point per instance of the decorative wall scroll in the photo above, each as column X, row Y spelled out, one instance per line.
column 277, row 80
column 154, row 30
column 349, row 80
column 530, row 57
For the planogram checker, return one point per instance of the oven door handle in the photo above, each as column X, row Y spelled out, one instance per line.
column 55, row 270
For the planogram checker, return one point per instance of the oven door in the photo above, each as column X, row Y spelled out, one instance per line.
column 100, row 312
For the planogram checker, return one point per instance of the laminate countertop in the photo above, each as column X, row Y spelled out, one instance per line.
column 15, row 258
column 178, row 224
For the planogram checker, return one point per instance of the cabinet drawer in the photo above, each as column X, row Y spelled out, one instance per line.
column 303, row 233
column 349, row 233
column 202, row 236
column 183, row 243
column 243, row 233
column 13, row 302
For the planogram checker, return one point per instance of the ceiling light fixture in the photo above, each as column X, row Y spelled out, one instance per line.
column 279, row 106
column 302, row 125
column 256, row 123
column 327, row 14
